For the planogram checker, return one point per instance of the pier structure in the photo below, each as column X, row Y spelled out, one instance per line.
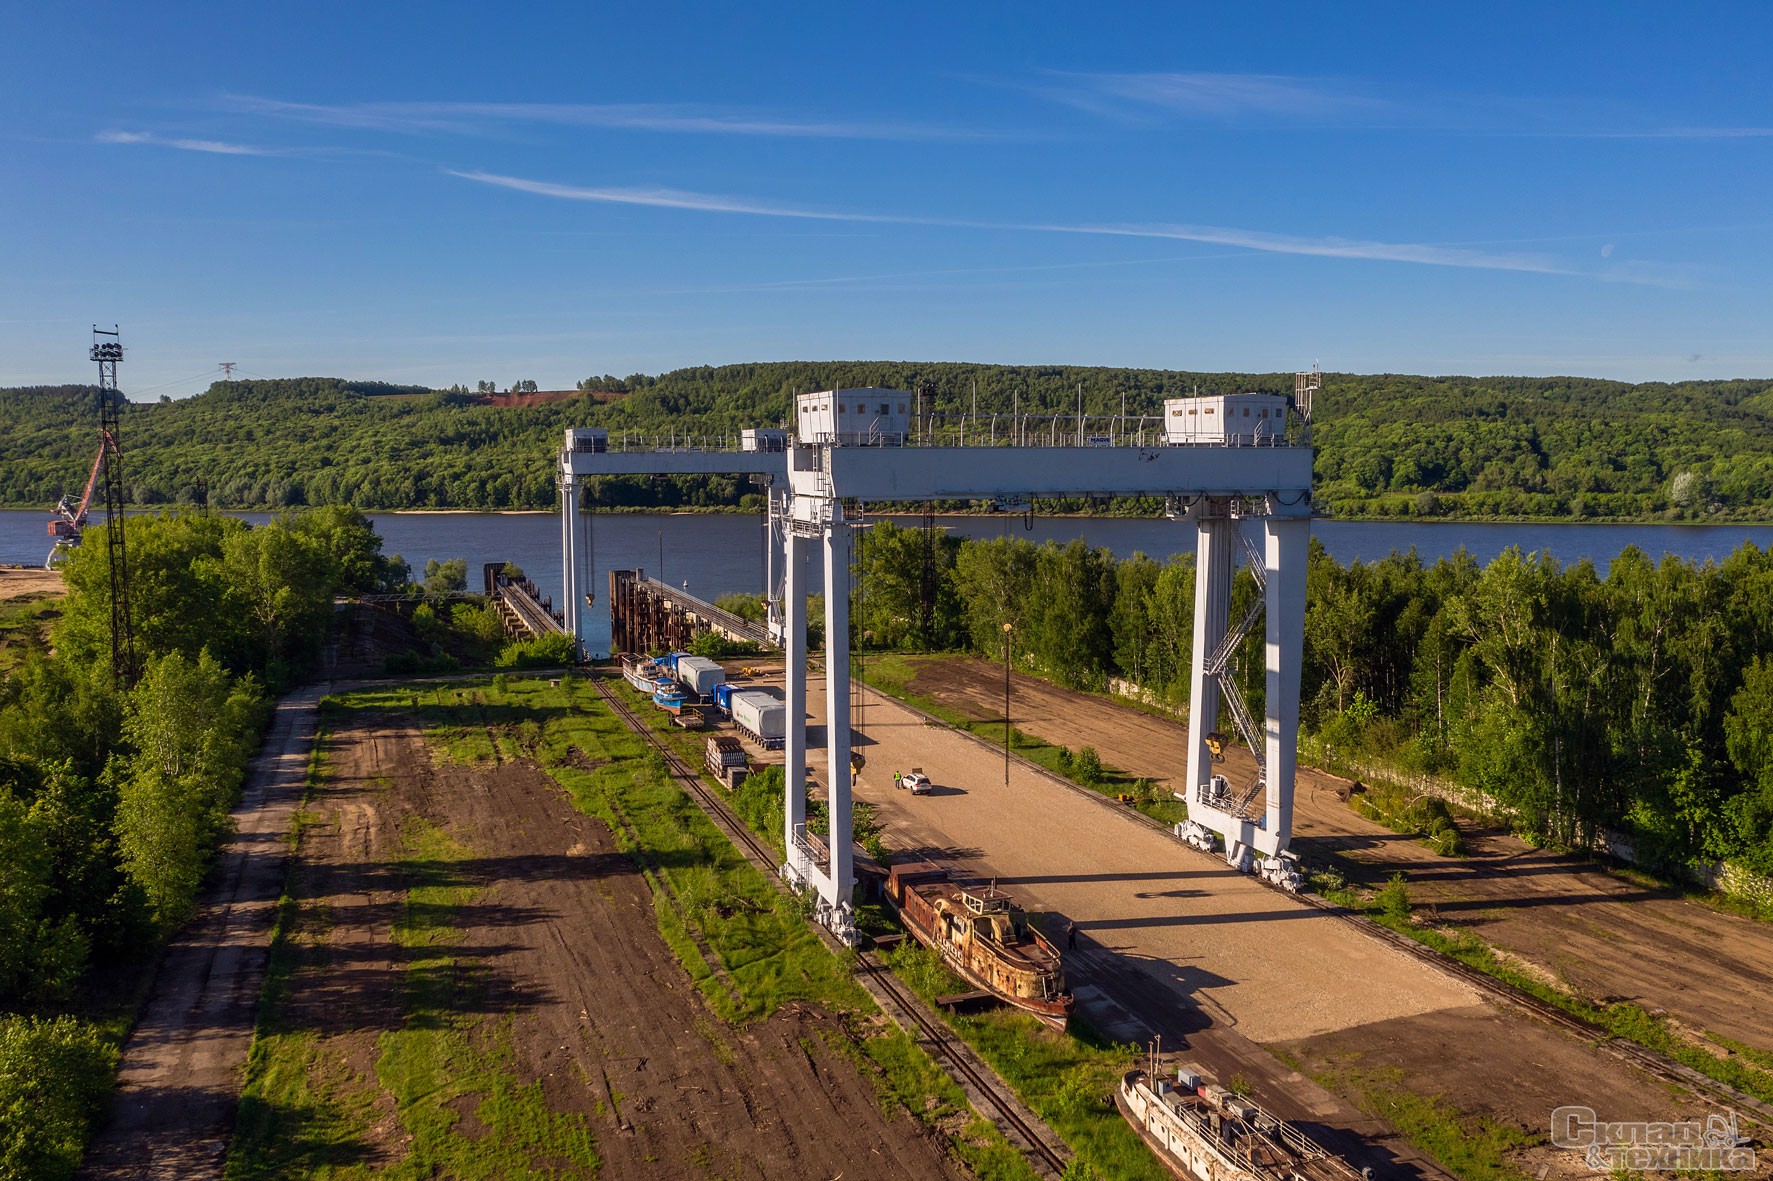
column 1228, row 478
column 646, row 614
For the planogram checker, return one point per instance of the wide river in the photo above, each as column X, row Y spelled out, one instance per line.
column 713, row 555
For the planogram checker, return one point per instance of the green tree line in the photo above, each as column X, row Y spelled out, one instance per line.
column 114, row 799
column 1388, row 445
column 1639, row 703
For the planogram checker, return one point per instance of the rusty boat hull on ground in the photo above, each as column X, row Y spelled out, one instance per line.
column 982, row 937
column 1203, row 1132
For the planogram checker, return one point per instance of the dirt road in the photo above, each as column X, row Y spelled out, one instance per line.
column 180, row 1077
column 1599, row 935
column 572, row 985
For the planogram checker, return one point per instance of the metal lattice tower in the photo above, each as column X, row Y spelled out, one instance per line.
column 107, row 350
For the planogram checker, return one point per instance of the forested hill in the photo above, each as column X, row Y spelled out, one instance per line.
column 1388, row 445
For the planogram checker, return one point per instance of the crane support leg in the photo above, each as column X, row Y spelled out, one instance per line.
column 794, row 647
column 1214, row 556
column 1287, row 542
column 837, row 706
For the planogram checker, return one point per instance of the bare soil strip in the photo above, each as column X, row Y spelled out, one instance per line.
column 18, row 581
column 180, row 1076
column 576, row 988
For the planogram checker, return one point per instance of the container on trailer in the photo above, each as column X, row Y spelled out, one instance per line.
column 699, row 674
column 761, row 716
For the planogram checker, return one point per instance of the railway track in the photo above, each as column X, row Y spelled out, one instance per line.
column 936, row 1033
column 982, row 1082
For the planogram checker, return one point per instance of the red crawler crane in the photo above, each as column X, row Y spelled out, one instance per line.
column 70, row 520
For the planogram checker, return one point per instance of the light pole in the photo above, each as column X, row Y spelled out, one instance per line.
column 1008, row 629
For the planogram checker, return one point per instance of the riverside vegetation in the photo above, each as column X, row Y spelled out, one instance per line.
column 1389, row 446
column 112, row 801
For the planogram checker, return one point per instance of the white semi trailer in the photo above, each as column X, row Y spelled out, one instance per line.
column 760, row 716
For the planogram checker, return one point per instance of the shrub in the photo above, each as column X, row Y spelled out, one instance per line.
column 55, row 1076
column 758, row 801
column 478, row 621
column 1394, row 899
column 715, row 646
column 420, row 663
column 1087, row 766
column 746, row 607
column 549, row 651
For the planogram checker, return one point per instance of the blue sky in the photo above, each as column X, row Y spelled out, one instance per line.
column 449, row 192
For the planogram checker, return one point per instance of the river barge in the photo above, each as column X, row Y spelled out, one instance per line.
column 1204, row 1132
column 982, row 936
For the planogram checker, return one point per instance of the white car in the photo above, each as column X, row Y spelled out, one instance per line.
column 917, row 781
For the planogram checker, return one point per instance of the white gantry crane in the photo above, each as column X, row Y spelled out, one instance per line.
column 1237, row 466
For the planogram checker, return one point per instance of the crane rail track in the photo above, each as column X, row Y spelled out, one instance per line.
column 988, row 1087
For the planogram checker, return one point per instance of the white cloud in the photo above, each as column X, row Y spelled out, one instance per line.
column 213, row 146
column 665, row 199
column 1294, row 100
column 469, row 118
column 1415, row 253
column 1220, row 96
column 1690, row 133
column 1411, row 252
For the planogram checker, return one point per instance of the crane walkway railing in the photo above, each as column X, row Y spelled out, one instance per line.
column 979, row 430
